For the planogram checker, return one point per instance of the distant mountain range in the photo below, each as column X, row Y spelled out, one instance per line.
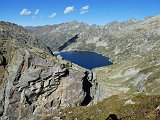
column 117, row 40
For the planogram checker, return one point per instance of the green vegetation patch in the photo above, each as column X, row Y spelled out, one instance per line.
column 143, row 109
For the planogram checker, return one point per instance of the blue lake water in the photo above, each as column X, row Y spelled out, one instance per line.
column 88, row 60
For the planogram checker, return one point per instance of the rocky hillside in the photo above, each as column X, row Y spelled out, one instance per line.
column 12, row 31
column 136, row 55
column 140, row 75
column 34, row 83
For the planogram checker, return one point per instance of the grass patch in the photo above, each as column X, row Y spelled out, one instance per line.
column 47, row 118
column 144, row 108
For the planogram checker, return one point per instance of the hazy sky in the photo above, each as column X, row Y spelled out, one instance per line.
column 42, row 12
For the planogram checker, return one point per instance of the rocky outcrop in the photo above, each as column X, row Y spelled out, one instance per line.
column 34, row 83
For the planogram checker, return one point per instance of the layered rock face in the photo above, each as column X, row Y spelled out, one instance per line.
column 34, row 83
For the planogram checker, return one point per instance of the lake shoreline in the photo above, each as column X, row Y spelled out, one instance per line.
column 86, row 59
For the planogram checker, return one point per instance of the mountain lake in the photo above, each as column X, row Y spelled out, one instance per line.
column 86, row 59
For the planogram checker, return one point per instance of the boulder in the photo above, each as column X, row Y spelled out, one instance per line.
column 158, row 108
column 56, row 118
column 129, row 102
